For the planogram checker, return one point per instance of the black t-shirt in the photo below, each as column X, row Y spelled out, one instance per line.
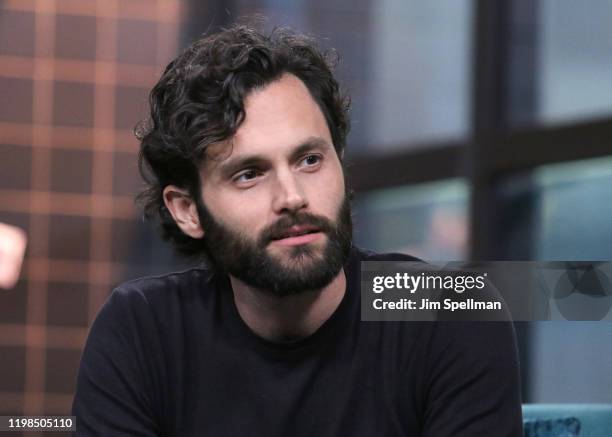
column 171, row 356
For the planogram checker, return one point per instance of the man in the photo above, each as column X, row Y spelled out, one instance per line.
column 243, row 157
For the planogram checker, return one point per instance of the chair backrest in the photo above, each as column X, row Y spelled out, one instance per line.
column 595, row 419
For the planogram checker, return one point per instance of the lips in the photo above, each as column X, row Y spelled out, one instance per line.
column 296, row 231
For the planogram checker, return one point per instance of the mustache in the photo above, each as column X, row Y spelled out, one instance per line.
column 280, row 227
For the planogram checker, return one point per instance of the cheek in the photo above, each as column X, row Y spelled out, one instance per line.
column 242, row 211
column 327, row 192
column 337, row 182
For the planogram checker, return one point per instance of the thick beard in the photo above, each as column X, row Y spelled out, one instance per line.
column 232, row 253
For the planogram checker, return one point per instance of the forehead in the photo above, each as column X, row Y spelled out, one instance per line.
column 278, row 117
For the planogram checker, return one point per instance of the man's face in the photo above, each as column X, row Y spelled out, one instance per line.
column 276, row 214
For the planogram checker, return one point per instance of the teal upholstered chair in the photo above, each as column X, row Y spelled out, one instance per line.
column 594, row 420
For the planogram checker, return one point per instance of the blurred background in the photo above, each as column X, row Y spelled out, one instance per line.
column 480, row 130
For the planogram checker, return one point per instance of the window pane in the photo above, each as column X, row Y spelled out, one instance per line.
column 404, row 62
column 425, row 220
column 575, row 211
column 571, row 215
column 420, row 76
column 575, row 47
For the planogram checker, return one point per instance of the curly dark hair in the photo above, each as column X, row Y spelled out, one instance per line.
column 199, row 101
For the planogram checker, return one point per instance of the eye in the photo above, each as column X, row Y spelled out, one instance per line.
column 246, row 176
column 311, row 161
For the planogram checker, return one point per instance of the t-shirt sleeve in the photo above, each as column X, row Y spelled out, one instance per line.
column 114, row 392
column 473, row 381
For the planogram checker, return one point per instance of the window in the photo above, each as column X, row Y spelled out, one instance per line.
column 426, row 220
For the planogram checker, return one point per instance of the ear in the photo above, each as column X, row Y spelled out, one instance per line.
column 183, row 210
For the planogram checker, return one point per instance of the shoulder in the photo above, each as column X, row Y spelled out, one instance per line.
column 154, row 295
column 169, row 284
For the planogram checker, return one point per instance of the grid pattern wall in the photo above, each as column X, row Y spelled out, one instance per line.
column 74, row 78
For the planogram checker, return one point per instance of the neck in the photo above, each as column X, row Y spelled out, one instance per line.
column 287, row 317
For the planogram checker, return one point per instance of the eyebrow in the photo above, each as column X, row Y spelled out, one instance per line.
column 232, row 166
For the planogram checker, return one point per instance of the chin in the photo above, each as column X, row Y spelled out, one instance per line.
column 303, row 252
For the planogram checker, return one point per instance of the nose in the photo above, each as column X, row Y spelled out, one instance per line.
column 289, row 196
